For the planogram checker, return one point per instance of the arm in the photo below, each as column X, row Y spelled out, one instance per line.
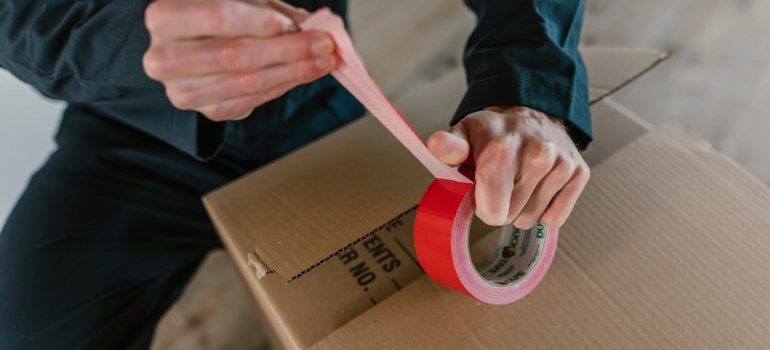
column 525, row 113
column 525, row 53
column 90, row 53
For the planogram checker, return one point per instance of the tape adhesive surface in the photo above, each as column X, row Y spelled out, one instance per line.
column 446, row 210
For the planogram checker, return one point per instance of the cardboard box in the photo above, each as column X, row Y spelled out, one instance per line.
column 348, row 200
column 351, row 169
column 667, row 250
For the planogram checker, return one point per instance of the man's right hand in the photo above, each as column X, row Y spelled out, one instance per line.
column 224, row 58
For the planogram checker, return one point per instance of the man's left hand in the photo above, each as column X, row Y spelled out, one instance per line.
column 527, row 169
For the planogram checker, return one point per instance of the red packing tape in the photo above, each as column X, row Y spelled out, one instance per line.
column 446, row 210
column 441, row 228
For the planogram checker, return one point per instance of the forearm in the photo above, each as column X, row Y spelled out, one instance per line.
column 98, row 43
column 525, row 53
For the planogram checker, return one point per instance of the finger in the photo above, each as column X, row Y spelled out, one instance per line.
column 544, row 193
column 175, row 20
column 241, row 107
column 561, row 206
column 297, row 14
column 538, row 160
column 495, row 169
column 450, row 147
column 184, row 59
column 194, row 93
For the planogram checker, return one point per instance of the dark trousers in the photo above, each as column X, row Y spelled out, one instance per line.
column 105, row 237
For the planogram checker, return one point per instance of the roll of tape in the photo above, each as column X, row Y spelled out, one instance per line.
column 441, row 229
column 444, row 215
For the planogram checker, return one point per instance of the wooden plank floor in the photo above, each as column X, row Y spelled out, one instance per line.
column 717, row 82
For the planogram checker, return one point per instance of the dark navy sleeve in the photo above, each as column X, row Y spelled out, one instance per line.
column 90, row 53
column 525, row 53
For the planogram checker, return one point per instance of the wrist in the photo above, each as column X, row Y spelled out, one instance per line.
column 526, row 112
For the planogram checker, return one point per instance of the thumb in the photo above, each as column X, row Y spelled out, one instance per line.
column 450, row 147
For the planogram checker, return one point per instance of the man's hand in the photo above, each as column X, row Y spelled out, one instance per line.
column 527, row 168
column 224, row 58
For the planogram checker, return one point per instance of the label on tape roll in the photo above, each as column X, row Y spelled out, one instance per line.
column 515, row 255
column 443, row 218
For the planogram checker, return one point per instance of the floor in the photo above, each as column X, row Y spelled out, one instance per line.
column 717, row 82
column 718, row 79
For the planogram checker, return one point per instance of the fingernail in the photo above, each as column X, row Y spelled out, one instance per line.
column 452, row 157
column 522, row 224
column 325, row 62
column 322, row 45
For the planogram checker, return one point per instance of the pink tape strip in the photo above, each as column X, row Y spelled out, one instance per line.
column 352, row 74
column 446, row 209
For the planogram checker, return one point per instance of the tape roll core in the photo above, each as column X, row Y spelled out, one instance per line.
column 442, row 227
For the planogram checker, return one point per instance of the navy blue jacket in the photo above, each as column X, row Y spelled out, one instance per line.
column 89, row 54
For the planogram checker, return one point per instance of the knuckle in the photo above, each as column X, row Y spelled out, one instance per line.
column 219, row 112
column 583, row 172
column 519, row 109
column 307, row 40
column 237, row 113
column 523, row 222
column 233, row 57
column 540, row 165
column 305, row 72
column 214, row 15
column 154, row 13
column 283, row 52
column 499, row 150
column 270, row 95
column 493, row 220
column 271, row 23
column 294, row 47
column 244, row 106
column 487, row 173
column 251, row 83
column 550, row 220
column 153, row 65
column 213, row 116
column 542, row 155
column 262, row 98
column 490, row 218
column 158, row 59
column 260, row 101
column 566, row 167
column 179, row 97
column 177, row 101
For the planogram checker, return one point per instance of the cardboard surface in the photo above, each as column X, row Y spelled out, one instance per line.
column 611, row 68
column 360, row 176
column 312, row 307
column 666, row 249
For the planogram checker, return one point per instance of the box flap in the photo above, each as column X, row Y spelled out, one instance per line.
column 614, row 126
column 357, row 175
column 611, row 68
column 371, row 270
column 666, row 249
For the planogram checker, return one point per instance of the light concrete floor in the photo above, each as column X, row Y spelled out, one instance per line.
column 718, row 78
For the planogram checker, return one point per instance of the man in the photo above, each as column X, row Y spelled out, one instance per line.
column 110, row 229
